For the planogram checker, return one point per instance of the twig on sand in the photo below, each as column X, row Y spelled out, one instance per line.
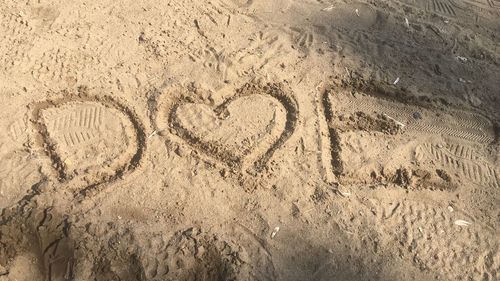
column 348, row 72
column 344, row 193
column 327, row 9
column 399, row 123
column 275, row 231
column 462, row 223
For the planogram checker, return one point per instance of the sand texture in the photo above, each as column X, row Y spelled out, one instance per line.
column 249, row 140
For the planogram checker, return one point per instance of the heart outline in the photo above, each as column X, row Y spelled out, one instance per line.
column 165, row 105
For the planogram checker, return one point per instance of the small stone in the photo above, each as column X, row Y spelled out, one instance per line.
column 3, row 270
column 200, row 251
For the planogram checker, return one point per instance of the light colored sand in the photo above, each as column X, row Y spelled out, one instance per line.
column 168, row 140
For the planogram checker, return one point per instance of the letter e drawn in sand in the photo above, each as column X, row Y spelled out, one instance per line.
column 379, row 136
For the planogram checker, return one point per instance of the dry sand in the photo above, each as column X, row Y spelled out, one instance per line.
column 250, row 140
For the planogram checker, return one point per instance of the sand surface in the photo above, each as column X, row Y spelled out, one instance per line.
column 250, row 140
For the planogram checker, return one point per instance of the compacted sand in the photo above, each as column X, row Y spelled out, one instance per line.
column 250, row 140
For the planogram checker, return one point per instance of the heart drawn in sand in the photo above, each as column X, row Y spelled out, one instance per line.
column 242, row 132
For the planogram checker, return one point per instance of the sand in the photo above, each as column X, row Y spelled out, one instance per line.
column 250, row 140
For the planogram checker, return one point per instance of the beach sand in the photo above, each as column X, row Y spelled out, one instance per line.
column 250, row 140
